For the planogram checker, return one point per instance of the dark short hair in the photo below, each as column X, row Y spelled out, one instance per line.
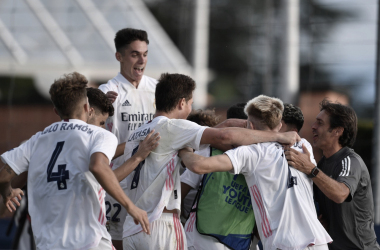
column 293, row 116
column 342, row 116
column 204, row 117
column 126, row 36
column 171, row 88
column 237, row 111
column 99, row 100
column 67, row 92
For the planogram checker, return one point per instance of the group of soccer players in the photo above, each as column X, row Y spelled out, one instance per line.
column 90, row 188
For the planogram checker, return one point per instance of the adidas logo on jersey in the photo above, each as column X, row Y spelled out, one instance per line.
column 126, row 103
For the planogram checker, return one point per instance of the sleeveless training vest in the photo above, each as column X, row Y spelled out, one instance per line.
column 224, row 208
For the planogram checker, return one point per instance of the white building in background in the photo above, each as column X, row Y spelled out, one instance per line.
column 45, row 39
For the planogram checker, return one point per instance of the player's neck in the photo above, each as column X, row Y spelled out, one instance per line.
column 170, row 115
column 330, row 151
column 133, row 82
column 78, row 116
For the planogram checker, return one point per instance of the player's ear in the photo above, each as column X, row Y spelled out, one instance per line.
column 56, row 112
column 91, row 112
column 279, row 126
column 339, row 131
column 86, row 107
column 181, row 103
column 118, row 56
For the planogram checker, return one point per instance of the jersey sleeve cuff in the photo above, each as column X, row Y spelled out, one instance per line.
column 234, row 170
column 11, row 164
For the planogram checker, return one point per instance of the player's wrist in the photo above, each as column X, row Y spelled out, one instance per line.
column 314, row 172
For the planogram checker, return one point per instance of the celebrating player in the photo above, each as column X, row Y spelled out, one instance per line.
column 132, row 96
column 155, row 184
column 282, row 197
column 68, row 167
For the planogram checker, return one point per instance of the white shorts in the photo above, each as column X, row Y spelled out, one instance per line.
column 165, row 233
column 104, row 244
column 115, row 214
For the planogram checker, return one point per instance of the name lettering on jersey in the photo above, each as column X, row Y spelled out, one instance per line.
column 135, row 120
column 237, row 196
column 50, row 129
column 138, row 134
column 298, row 145
column 68, row 126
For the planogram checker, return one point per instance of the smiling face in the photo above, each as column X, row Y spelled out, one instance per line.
column 323, row 136
column 133, row 61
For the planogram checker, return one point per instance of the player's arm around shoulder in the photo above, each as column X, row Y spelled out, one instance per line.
column 203, row 165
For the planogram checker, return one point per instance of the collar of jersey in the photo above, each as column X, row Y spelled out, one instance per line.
column 125, row 84
column 75, row 121
column 157, row 118
column 338, row 155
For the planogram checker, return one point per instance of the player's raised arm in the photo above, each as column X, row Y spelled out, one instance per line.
column 10, row 196
column 99, row 167
column 203, row 165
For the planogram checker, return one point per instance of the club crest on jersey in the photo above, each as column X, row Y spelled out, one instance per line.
column 126, row 103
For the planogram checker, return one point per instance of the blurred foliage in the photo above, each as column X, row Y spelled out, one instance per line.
column 23, row 92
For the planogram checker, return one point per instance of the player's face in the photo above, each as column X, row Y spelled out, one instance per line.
column 98, row 119
column 133, row 61
column 323, row 137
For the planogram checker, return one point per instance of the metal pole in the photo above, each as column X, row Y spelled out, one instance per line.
column 290, row 63
column 376, row 140
column 200, row 54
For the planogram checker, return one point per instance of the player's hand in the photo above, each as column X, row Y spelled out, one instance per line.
column 140, row 217
column 288, row 138
column 111, row 95
column 147, row 145
column 298, row 160
column 184, row 151
column 13, row 198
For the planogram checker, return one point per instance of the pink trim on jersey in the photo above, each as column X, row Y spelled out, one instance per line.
column 178, row 232
column 169, row 183
column 190, row 226
column 265, row 226
column 102, row 215
column 110, row 125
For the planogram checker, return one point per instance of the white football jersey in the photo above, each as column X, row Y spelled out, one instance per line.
column 282, row 197
column 133, row 107
column 66, row 203
column 156, row 181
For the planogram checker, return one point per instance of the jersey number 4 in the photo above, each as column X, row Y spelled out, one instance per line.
column 62, row 175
